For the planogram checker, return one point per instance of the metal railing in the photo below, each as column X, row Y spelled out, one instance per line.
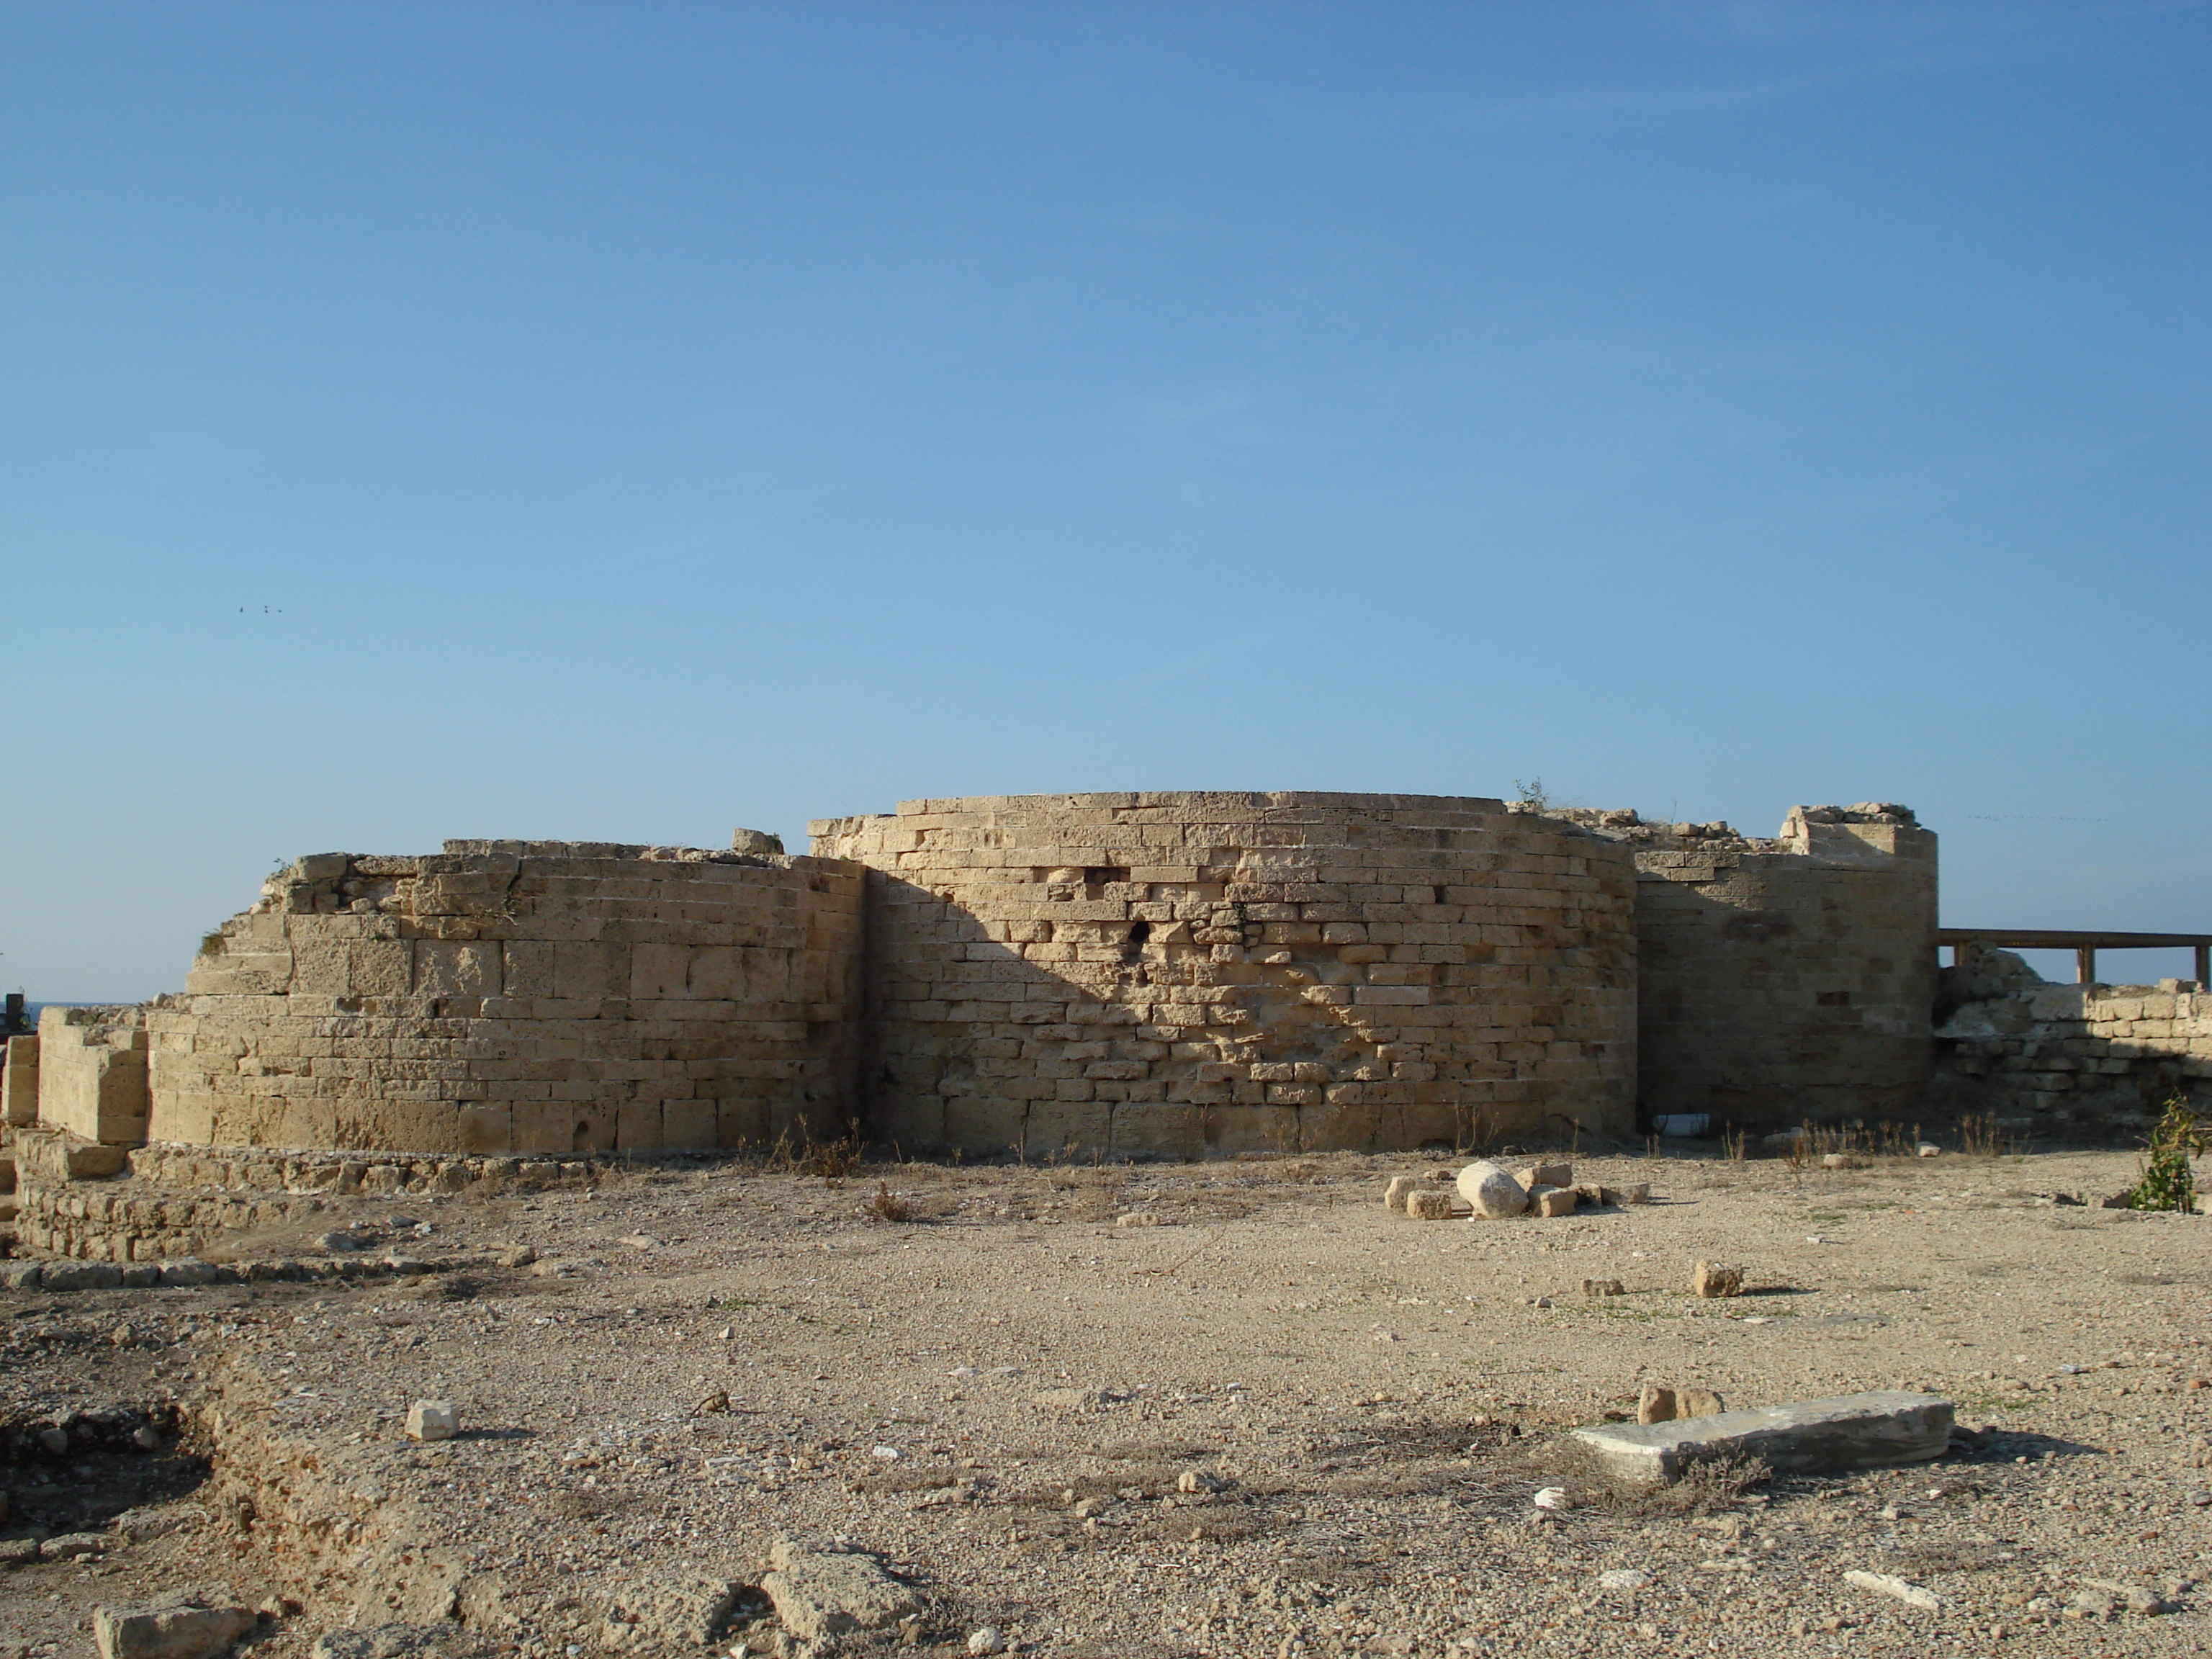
column 2084, row 947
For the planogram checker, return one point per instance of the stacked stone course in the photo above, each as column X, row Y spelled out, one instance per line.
column 1190, row 973
column 175, row 1202
column 1787, row 978
column 2067, row 1059
column 521, row 997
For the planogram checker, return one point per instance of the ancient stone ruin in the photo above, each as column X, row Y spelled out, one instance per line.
column 1200, row 973
column 1099, row 976
column 521, row 997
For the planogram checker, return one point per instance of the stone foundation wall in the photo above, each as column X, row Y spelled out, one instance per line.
column 1194, row 973
column 1783, row 979
column 521, row 997
column 167, row 1203
column 2072, row 1060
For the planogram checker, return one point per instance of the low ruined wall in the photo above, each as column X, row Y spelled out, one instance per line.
column 2076, row 1061
column 167, row 1203
column 92, row 1073
column 1783, row 979
column 1202, row 973
column 521, row 997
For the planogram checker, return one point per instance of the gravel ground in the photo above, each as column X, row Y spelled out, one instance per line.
column 1277, row 1420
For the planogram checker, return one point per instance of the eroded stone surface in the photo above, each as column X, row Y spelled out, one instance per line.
column 1491, row 1190
column 824, row 1592
column 169, row 1633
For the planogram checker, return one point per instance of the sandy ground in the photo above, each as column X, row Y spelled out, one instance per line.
column 1002, row 1396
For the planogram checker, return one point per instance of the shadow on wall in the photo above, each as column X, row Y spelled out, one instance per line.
column 2067, row 1062
column 1787, row 978
column 1195, row 1040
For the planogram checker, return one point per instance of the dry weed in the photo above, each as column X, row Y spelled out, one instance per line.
column 887, row 1205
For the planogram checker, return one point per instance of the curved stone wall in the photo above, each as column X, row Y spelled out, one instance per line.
column 1193, row 973
column 521, row 997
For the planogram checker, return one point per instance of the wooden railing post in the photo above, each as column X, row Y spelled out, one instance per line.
column 2085, row 965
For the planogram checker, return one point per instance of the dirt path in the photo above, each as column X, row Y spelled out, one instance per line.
column 1004, row 1396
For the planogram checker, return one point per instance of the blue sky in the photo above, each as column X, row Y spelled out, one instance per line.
column 629, row 421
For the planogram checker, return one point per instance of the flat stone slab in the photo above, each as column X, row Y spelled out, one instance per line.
column 1808, row 1436
column 829, row 1592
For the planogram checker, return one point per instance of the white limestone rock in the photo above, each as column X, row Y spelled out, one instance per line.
column 1491, row 1190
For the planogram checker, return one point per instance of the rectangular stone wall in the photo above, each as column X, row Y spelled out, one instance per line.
column 1783, row 979
column 92, row 1073
column 523, row 997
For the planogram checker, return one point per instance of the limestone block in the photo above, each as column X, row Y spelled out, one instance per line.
column 19, row 1081
column 92, row 1074
column 824, row 1594
column 1864, row 1431
column 184, row 1632
column 1492, row 1192
column 448, row 967
column 1714, row 1279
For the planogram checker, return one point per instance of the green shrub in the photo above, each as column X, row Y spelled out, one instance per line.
column 2168, row 1182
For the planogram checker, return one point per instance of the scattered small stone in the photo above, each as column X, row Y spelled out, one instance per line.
column 74, row 1545
column 1200, row 1480
column 1551, row 1201
column 1624, row 1578
column 1656, row 1404
column 515, row 1256
column 1928, row 1149
column 1636, row 1192
column 986, row 1640
column 2092, row 1603
column 1604, row 1287
column 1838, row 1161
column 1552, row 1497
column 1713, row 1279
column 1401, row 1188
column 713, row 1404
column 1136, row 1219
column 1698, row 1402
column 1545, row 1174
column 1884, row 1584
column 433, row 1420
